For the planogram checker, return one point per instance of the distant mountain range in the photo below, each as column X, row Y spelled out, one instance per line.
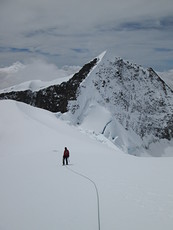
column 135, row 104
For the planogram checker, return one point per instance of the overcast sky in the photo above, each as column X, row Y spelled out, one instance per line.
column 72, row 32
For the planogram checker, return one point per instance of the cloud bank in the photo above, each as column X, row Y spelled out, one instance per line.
column 34, row 70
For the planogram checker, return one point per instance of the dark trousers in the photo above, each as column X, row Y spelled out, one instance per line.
column 65, row 159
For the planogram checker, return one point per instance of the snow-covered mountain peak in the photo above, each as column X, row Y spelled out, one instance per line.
column 128, row 104
column 100, row 57
column 138, row 102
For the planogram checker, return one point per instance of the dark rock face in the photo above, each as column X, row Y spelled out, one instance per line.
column 54, row 98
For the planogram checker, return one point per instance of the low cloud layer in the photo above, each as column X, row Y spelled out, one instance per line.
column 34, row 70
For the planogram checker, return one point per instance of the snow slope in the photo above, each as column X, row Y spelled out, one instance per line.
column 37, row 192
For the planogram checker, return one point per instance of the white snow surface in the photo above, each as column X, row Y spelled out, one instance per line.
column 37, row 192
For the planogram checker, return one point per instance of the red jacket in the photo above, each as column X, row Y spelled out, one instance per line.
column 66, row 153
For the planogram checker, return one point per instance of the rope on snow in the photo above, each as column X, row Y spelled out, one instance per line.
column 97, row 193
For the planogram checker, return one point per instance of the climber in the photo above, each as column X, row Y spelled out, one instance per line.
column 65, row 156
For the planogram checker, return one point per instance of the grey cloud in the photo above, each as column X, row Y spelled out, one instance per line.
column 72, row 32
column 165, row 23
column 164, row 50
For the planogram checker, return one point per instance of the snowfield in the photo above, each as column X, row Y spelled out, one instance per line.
column 38, row 193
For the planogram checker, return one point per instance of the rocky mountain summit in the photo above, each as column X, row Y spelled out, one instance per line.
column 135, row 104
